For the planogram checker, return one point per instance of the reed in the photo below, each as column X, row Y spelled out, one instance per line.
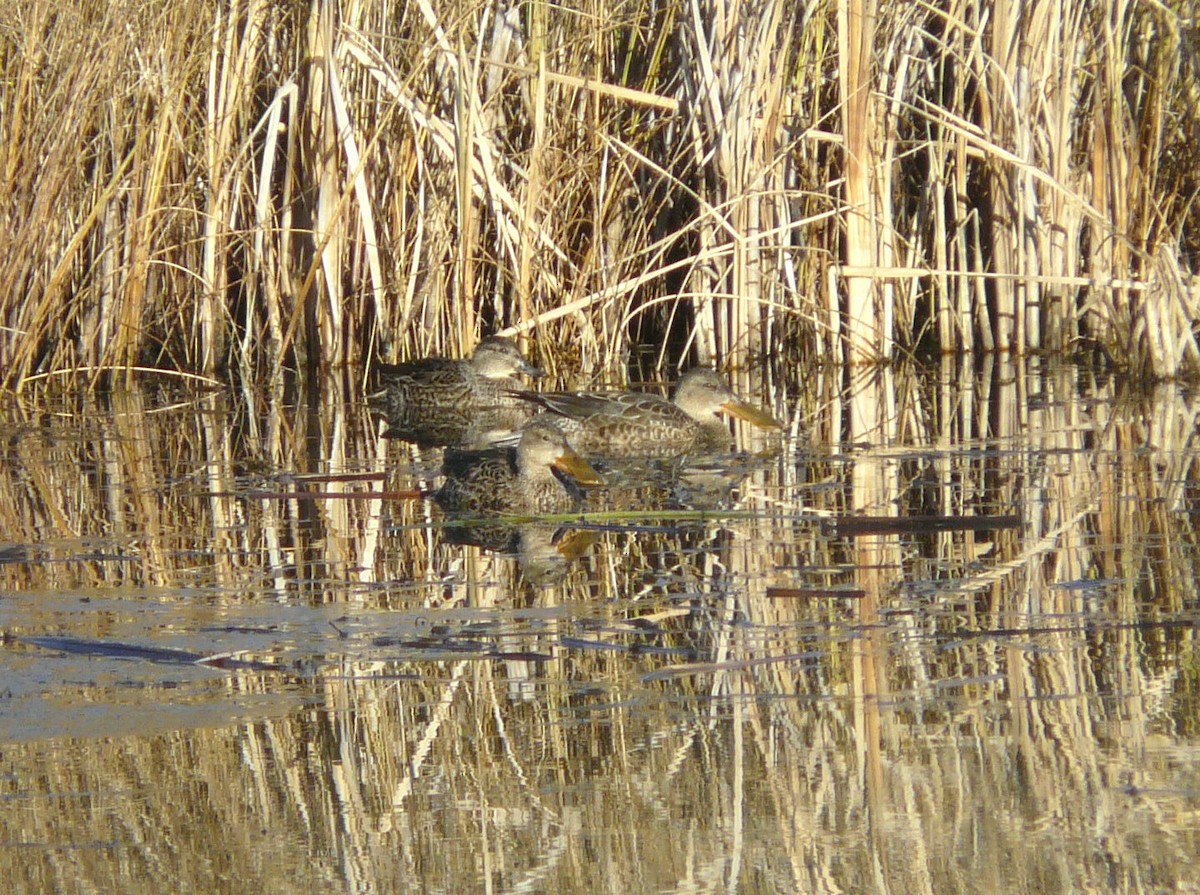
column 247, row 189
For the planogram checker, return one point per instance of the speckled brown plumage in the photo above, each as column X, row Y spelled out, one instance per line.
column 630, row 424
column 437, row 402
column 517, row 479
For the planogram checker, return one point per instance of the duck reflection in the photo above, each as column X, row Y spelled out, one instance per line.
column 543, row 552
column 710, row 483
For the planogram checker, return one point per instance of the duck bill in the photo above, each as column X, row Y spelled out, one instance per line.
column 573, row 544
column 578, row 468
column 531, row 371
column 756, row 416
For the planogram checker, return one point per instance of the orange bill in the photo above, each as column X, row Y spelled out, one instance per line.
column 577, row 468
column 756, row 416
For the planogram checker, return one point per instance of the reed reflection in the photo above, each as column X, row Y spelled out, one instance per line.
column 807, row 666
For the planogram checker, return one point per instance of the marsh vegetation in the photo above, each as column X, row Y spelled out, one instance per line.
column 937, row 634
column 249, row 188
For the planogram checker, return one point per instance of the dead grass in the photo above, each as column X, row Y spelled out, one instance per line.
column 251, row 188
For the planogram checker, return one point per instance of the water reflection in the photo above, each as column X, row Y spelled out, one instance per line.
column 543, row 552
column 776, row 689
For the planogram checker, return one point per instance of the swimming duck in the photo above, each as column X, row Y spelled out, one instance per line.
column 632, row 424
column 439, row 402
column 520, row 479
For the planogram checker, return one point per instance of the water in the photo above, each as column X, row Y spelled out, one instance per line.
column 940, row 636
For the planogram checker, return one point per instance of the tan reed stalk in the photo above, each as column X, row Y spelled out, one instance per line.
column 740, row 94
column 1004, row 122
column 866, row 339
column 230, row 72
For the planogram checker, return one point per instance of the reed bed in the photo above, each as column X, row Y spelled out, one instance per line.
column 247, row 189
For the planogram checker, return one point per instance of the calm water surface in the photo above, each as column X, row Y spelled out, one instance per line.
column 939, row 636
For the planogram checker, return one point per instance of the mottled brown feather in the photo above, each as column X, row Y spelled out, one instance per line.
column 519, row 479
column 437, row 402
column 631, row 424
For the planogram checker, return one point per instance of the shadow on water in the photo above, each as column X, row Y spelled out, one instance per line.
column 946, row 627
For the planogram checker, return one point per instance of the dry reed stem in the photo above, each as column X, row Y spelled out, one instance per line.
column 866, row 343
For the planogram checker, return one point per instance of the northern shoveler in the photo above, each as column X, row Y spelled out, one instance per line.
column 518, row 479
column 632, row 424
column 437, row 402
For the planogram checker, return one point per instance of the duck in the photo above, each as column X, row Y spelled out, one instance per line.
column 466, row 404
column 639, row 425
column 521, row 479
